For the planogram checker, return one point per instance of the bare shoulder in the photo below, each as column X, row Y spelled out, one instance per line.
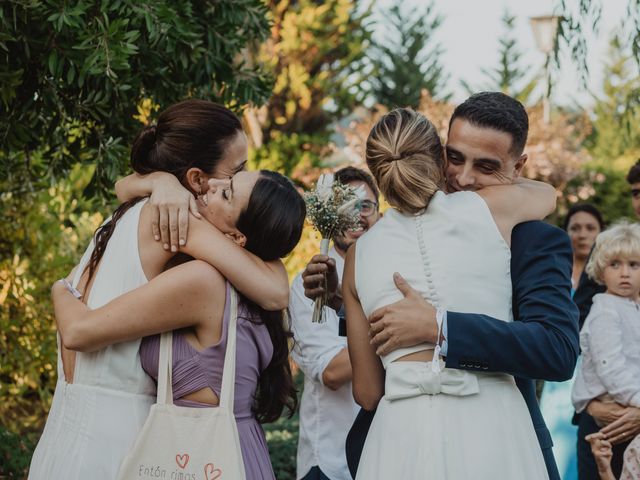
column 201, row 276
column 194, row 280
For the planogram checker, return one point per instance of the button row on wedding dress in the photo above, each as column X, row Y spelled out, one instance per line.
column 431, row 293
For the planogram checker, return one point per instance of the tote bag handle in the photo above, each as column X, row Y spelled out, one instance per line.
column 227, row 391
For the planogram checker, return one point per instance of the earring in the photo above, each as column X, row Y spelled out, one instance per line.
column 203, row 197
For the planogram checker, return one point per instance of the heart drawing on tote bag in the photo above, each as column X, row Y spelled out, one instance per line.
column 182, row 460
column 187, row 443
column 211, row 472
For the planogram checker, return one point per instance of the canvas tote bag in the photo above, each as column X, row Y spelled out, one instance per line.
column 182, row 443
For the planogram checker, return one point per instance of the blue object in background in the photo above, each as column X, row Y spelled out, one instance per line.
column 557, row 411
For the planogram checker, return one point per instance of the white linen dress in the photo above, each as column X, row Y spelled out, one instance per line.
column 94, row 421
column 455, row 424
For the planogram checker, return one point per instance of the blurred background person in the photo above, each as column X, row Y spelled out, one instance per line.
column 610, row 368
column 633, row 178
column 587, row 288
column 327, row 407
column 583, row 223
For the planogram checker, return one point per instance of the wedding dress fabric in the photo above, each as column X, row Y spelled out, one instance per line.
column 94, row 421
column 449, row 424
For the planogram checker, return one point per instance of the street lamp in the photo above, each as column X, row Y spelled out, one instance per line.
column 545, row 30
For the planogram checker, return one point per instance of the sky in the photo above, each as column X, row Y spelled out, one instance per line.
column 471, row 30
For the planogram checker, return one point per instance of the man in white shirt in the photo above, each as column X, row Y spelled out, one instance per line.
column 327, row 408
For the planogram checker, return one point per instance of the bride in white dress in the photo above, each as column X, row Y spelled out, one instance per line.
column 102, row 397
column 434, row 422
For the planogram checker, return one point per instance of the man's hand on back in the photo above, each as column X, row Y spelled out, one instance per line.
column 405, row 323
column 313, row 280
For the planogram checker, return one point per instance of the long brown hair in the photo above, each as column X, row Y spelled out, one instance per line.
column 272, row 223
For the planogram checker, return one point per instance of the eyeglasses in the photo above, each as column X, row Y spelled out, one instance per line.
column 367, row 207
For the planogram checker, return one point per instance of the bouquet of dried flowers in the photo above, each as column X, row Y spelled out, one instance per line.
column 332, row 208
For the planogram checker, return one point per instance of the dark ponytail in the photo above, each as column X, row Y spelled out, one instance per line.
column 189, row 134
column 143, row 149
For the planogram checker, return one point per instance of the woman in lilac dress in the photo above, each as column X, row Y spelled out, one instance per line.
column 261, row 212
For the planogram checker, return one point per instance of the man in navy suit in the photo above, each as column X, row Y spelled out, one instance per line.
column 487, row 134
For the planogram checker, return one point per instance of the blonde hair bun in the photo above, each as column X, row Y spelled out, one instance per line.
column 405, row 155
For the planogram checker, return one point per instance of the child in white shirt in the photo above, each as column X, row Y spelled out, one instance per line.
column 609, row 339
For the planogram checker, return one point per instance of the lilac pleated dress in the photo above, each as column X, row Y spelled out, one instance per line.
column 194, row 370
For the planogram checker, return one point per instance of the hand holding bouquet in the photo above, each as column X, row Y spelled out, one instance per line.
column 332, row 208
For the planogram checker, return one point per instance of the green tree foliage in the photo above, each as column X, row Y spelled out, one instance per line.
column 407, row 60
column 615, row 142
column 15, row 454
column 606, row 188
column 578, row 17
column 41, row 232
column 617, row 113
column 509, row 76
column 72, row 74
column 282, row 437
column 314, row 52
column 76, row 79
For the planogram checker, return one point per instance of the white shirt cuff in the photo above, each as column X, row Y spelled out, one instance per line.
column 445, row 344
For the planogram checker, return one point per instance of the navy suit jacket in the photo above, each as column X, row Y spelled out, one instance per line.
column 542, row 344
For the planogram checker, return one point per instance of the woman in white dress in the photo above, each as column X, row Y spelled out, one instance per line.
column 433, row 422
column 102, row 398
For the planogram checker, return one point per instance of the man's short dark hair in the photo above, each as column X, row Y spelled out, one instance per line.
column 497, row 111
column 634, row 173
column 353, row 174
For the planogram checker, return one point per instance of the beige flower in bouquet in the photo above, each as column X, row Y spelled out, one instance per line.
column 332, row 208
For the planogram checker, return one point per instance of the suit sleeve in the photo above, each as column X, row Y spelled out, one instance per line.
column 544, row 343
